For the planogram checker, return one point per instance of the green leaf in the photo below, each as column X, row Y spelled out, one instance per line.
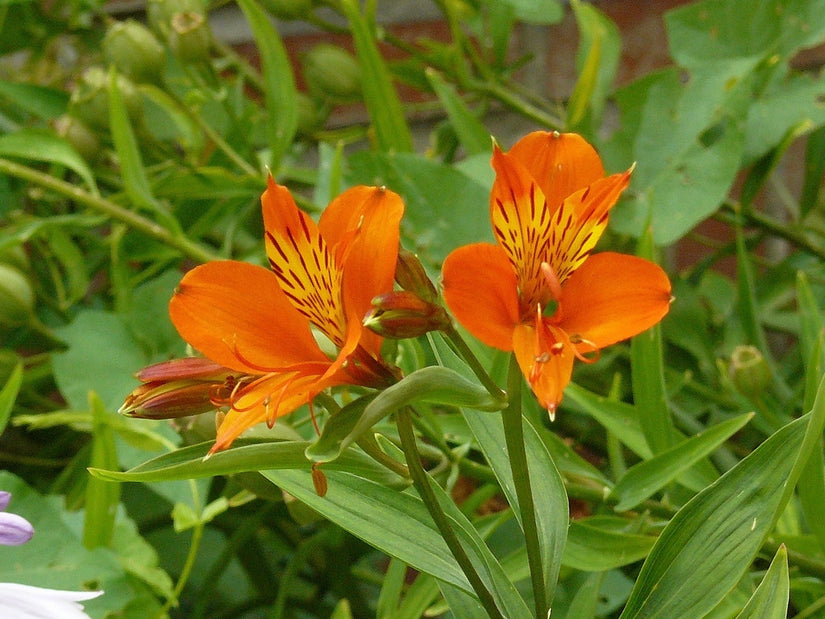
column 644, row 479
column 101, row 497
column 337, row 432
column 770, row 600
column 42, row 101
column 279, row 82
column 192, row 462
column 471, row 132
column 715, row 29
column 648, row 376
column 133, row 172
column 41, row 145
column 598, row 544
column 709, row 544
column 9, row 394
column 597, row 60
column 391, row 131
column 538, row 12
column 814, row 171
column 398, row 524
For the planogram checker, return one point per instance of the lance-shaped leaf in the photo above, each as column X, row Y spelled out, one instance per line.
column 708, row 545
column 596, row 545
column 471, row 132
column 649, row 476
column 398, row 524
column 189, row 463
column 433, row 385
column 8, row 394
column 279, row 82
column 101, row 498
column 770, row 600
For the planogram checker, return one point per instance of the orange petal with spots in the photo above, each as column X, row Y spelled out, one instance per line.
column 547, row 373
column 578, row 225
column 613, row 297
column 481, row 290
column 235, row 314
column 304, row 264
column 522, row 226
column 561, row 163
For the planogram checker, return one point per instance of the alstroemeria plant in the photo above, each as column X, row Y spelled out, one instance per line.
column 263, row 326
column 539, row 292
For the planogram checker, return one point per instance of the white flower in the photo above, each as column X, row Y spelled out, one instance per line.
column 27, row 602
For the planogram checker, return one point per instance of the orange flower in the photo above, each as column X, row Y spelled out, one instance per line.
column 265, row 325
column 539, row 292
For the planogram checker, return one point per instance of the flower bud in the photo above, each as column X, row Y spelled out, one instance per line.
column 160, row 13
column 16, row 256
column 76, row 133
column 311, row 114
column 289, row 9
column 332, row 73
column 410, row 275
column 90, row 99
column 403, row 314
column 190, row 37
column 16, row 297
column 179, row 388
column 749, row 371
column 135, row 51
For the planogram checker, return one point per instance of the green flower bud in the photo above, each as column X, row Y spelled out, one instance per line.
column 89, row 101
column 83, row 139
column 749, row 371
column 332, row 73
column 160, row 13
column 135, row 51
column 17, row 257
column 289, row 9
column 190, row 37
column 16, row 297
column 311, row 114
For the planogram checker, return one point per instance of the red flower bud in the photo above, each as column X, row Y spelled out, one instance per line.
column 403, row 314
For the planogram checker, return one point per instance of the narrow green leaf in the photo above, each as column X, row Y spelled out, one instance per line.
column 471, row 132
column 133, row 172
column 41, row 145
column 647, row 371
column 42, row 101
column 434, row 385
column 770, row 600
column 336, row 430
column 650, row 476
column 814, row 171
column 709, row 544
column 811, row 321
column 191, row 462
column 9, row 394
column 762, row 170
column 586, row 599
column 392, row 585
column 279, row 82
column 746, row 289
column 365, row 508
column 595, row 545
column 101, row 497
column 391, row 130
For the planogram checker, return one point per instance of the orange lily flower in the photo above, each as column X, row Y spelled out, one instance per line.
column 539, row 292
column 265, row 325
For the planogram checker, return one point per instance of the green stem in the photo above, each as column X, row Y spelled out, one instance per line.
column 421, row 481
column 374, row 451
column 108, row 208
column 465, row 353
column 514, row 438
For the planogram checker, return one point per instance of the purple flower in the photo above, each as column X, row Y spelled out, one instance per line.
column 14, row 529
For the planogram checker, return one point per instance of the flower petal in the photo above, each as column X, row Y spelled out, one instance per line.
column 521, row 221
column 481, row 290
column 547, row 374
column 14, row 529
column 578, row 225
column 612, row 297
column 304, row 263
column 369, row 263
column 561, row 163
column 235, row 314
